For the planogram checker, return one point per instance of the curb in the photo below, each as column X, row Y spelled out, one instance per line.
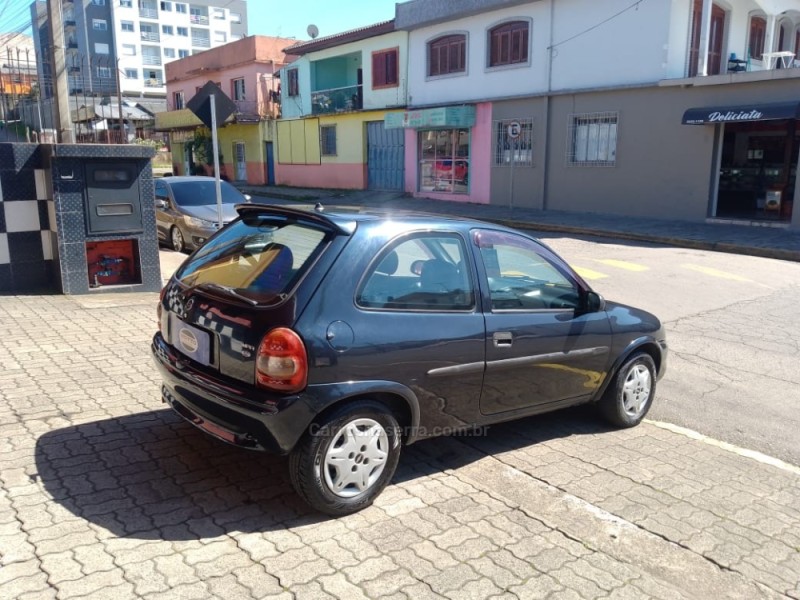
column 727, row 247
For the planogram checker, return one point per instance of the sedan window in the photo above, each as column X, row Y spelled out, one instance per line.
column 520, row 277
column 203, row 192
column 420, row 272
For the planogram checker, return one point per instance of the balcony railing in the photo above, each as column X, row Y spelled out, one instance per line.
column 150, row 36
column 153, row 83
column 198, row 19
column 200, row 42
column 151, row 59
column 335, row 100
column 148, row 13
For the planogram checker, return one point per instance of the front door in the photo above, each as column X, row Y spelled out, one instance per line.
column 539, row 349
column 270, row 163
column 240, row 162
column 716, row 38
column 385, row 157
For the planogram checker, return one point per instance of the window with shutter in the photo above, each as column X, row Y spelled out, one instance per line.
column 385, row 68
column 758, row 32
column 508, row 43
column 447, row 54
column 294, row 84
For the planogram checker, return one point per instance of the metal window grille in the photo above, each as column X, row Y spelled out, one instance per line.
column 327, row 144
column 592, row 139
column 513, row 142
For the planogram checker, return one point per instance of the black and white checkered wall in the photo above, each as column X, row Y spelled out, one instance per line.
column 27, row 221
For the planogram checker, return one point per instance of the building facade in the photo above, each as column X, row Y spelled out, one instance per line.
column 246, row 70
column 681, row 109
column 124, row 45
column 334, row 101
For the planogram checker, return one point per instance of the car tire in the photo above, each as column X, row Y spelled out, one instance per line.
column 630, row 395
column 176, row 239
column 346, row 460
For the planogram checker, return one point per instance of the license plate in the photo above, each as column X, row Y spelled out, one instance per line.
column 191, row 341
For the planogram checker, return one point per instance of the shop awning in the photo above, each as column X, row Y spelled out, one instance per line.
column 748, row 112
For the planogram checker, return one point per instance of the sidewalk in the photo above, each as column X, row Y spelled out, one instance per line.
column 104, row 493
column 769, row 242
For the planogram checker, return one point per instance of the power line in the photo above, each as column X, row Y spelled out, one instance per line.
column 593, row 27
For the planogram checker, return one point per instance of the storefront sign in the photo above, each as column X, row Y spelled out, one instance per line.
column 444, row 116
column 760, row 112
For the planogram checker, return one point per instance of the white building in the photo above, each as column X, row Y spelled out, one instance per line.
column 129, row 41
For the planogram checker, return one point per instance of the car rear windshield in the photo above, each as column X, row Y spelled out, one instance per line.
column 203, row 191
column 257, row 259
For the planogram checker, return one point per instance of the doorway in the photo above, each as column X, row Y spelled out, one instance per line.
column 240, row 164
column 270, row 154
column 758, row 170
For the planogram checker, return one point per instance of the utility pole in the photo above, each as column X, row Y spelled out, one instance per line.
column 60, row 84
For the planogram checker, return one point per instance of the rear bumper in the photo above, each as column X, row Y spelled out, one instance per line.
column 234, row 413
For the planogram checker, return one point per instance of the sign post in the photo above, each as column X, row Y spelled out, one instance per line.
column 215, row 150
column 212, row 106
column 513, row 131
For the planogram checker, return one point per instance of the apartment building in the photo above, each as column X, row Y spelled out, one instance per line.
column 124, row 44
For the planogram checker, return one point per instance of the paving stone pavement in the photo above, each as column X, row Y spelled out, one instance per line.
column 106, row 494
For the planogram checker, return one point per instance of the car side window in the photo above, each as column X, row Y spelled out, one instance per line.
column 520, row 277
column 424, row 271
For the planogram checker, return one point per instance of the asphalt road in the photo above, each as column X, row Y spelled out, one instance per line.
column 734, row 333
column 733, row 330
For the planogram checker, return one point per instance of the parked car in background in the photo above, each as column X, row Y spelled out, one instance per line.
column 337, row 337
column 186, row 209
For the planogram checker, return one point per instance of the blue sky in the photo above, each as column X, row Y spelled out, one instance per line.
column 290, row 18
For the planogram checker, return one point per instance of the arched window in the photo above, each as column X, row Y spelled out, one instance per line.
column 758, row 33
column 508, row 43
column 447, row 54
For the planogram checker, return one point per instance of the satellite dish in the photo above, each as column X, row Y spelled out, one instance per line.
column 313, row 31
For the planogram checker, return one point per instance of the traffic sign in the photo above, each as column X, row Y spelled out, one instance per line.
column 200, row 104
column 514, row 130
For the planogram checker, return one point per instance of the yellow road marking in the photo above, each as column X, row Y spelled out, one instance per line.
column 588, row 273
column 621, row 264
column 716, row 273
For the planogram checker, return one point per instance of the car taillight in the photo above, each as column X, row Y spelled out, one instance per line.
column 281, row 363
column 160, row 310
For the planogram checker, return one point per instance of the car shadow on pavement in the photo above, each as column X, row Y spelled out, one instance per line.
column 153, row 476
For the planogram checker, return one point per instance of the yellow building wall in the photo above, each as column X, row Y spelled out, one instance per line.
column 351, row 136
column 298, row 142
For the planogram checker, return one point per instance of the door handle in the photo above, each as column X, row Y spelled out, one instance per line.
column 502, row 339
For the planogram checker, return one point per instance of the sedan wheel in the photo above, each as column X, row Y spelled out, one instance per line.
column 348, row 459
column 629, row 396
column 176, row 237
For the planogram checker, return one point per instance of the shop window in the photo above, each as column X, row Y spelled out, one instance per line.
column 447, row 55
column 513, row 143
column 327, row 140
column 384, row 68
column 758, row 33
column 294, row 84
column 508, row 43
column 592, row 140
column 444, row 160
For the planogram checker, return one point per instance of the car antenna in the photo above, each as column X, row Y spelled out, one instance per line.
column 319, row 207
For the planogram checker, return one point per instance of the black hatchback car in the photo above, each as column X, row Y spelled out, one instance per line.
column 337, row 337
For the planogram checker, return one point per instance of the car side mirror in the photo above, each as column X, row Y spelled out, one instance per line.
column 161, row 203
column 594, row 302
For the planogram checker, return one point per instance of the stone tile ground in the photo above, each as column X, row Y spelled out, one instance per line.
column 106, row 494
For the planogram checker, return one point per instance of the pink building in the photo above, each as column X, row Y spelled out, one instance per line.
column 246, row 70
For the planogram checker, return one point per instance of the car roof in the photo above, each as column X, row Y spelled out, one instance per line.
column 346, row 218
column 185, row 178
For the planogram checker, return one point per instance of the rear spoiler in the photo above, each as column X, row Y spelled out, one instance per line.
column 315, row 216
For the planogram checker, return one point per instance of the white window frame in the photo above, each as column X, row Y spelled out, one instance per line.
column 592, row 139
column 169, row 53
column 126, row 3
column 101, row 48
column 234, row 93
column 183, row 53
column 130, row 47
column 99, row 25
column 129, row 71
column 220, row 37
column 185, row 31
column 235, row 17
column 167, row 30
column 124, row 24
column 166, row 6
column 104, row 72
column 181, row 8
column 218, row 13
